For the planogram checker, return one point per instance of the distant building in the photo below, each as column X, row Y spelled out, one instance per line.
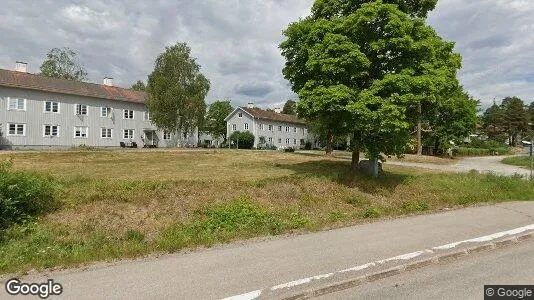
column 269, row 127
column 39, row 112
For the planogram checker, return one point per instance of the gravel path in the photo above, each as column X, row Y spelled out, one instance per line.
column 484, row 164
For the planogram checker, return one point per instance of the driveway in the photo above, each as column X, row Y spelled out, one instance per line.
column 484, row 164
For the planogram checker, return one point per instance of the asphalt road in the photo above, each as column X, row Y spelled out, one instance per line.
column 463, row 279
column 242, row 267
column 482, row 164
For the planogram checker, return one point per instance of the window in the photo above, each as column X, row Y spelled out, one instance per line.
column 302, row 142
column 279, row 128
column 234, row 127
column 279, row 141
column 106, row 133
column 105, row 112
column 294, row 141
column 240, row 115
column 128, row 134
column 146, row 116
column 50, row 130
column 80, row 132
column 16, row 129
column 16, row 104
column 270, row 140
column 302, row 130
column 287, row 141
column 81, row 109
column 295, row 129
column 166, row 135
column 245, row 126
column 262, row 127
column 50, row 106
column 270, row 127
column 128, row 114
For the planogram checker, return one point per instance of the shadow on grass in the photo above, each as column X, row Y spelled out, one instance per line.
column 341, row 173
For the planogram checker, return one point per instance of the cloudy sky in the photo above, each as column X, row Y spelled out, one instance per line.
column 235, row 41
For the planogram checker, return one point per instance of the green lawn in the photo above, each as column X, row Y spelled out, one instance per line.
column 522, row 161
column 125, row 204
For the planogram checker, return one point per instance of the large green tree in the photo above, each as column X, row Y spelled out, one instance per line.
column 64, row 64
column 515, row 121
column 215, row 123
column 176, row 91
column 493, row 121
column 364, row 66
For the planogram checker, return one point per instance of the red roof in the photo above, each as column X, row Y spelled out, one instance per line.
column 274, row 116
column 29, row 81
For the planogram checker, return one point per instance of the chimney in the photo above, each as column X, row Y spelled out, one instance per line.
column 278, row 110
column 250, row 105
column 108, row 81
column 21, row 66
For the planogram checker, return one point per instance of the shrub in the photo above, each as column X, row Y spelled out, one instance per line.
column 308, row 145
column 244, row 139
column 463, row 151
column 372, row 212
column 23, row 195
column 415, row 206
column 289, row 149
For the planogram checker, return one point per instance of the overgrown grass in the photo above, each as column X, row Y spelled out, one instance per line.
column 464, row 151
column 117, row 205
column 522, row 161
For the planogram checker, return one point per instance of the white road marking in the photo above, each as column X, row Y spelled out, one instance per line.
column 407, row 256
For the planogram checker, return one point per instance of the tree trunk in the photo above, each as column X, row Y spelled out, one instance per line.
column 419, row 129
column 329, row 141
column 355, row 151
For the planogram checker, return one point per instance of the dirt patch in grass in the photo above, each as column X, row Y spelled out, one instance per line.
column 122, row 204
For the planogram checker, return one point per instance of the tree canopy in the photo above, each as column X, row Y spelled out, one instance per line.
column 176, row 91
column 215, row 123
column 63, row 64
column 363, row 66
column 290, row 107
column 139, row 86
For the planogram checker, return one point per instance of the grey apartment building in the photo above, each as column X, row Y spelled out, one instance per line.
column 39, row 112
column 269, row 127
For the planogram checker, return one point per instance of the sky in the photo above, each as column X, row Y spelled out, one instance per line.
column 236, row 41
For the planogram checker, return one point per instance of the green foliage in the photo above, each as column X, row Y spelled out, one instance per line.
column 63, row 63
column 23, row 195
column 464, row 151
column 308, row 145
column 139, row 86
column 360, row 66
column 290, row 107
column 485, row 144
column 515, row 120
column 176, row 91
column 522, row 161
column 215, row 123
column 415, row 206
column 245, row 139
column 372, row 212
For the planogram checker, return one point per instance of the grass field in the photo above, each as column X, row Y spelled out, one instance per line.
column 522, row 161
column 125, row 204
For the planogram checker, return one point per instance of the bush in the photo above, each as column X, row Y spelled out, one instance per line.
column 23, row 195
column 289, row 149
column 308, row 145
column 463, row 151
column 244, row 139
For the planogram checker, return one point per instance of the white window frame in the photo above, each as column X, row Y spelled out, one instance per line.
column 16, row 129
column 50, row 135
column 287, row 129
column 294, row 141
column 262, row 127
column 288, row 141
column 166, row 135
column 245, row 126
column 104, row 133
column 81, row 130
column 295, row 129
column 280, row 128
column 234, row 127
column 79, row 112
column 240, row 115
column 128, row 114
column 270, row 127
column 108, row 111
column 51, row 107
column 16, row 106
column 280, row 141
column 146, row 116
column 130, row 135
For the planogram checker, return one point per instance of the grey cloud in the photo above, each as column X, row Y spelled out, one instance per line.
column 495, row 41
column 254, row 89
